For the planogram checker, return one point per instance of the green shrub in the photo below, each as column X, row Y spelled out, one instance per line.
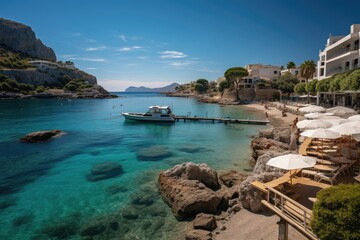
column 300, row 88
column 337, row 213
column 5, row 87
column 25, row 87
column 40, row 89
column 71, row 87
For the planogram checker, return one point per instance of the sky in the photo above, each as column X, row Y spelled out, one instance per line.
column 154, row 43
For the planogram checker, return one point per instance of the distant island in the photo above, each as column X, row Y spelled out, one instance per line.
column 168, row 88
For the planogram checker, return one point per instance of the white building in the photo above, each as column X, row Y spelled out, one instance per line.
column 340, row 54
column 44, row 65
column 294, row 71
column 259, row 72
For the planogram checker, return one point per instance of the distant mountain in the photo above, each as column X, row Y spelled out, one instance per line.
column 169, row 88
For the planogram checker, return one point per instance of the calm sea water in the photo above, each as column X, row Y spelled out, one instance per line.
column 44, row 189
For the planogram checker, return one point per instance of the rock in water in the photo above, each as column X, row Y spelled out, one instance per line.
column 40, row 136
column 190, row 189
column 153, row 153
column 104, row 170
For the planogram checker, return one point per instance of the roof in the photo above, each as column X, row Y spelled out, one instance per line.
column 160, row 107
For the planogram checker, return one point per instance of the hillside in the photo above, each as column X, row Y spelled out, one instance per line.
column 168, row 88
column 24, row 59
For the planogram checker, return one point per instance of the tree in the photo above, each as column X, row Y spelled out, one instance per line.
column 307, row 69
column 201, row 85
column 223, row 84
column 323, row 85
column 286, row 83
column 234, row 76
column 311, row 86
column 290, row 65
column 336, row 213
column 300, row 88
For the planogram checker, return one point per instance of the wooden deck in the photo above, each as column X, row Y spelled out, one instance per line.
column 222, row 120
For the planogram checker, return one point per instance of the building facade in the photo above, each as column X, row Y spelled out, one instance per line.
column 341, row 54
column 259, row 72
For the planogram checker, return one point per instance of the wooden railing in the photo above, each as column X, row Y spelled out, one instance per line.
column 291, row 211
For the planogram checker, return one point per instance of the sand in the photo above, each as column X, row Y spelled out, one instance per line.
column 274, row 115
column 246, row 225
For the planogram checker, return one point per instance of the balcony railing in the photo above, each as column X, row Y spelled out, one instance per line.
column 341, row 52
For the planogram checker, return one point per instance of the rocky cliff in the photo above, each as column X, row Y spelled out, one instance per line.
column 48, row 78
column 21, row 38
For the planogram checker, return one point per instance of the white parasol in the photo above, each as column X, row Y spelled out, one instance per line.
column 340, row 110
column 311, row 109
column 314, row 124
column 291, row 162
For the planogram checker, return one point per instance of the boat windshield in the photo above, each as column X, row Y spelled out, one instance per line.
column 159, row 110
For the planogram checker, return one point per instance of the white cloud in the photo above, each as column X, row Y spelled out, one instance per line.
column 142, row 57
column 181, row 64
column 92, row 49
column 123, row 37
column 173, row 54
column 76, row 34
column 68, row 56
column 132, row 64
column 121, row 85
column 90, row 68
column 127, row 49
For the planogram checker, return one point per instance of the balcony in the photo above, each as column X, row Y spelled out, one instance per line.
column 341, row 51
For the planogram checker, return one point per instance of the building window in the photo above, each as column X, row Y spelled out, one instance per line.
column 275, row 72
column 296, row 72
column 250, row 81
column 321, row 72
column 355, row 63
column 356, row 45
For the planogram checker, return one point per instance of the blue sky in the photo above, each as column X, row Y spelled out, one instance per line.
column 157, row 42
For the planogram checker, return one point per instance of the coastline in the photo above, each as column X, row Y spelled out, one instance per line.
column 241, row 225
column 245, row 224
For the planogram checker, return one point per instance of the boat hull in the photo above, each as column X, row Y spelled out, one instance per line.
column 141, row 117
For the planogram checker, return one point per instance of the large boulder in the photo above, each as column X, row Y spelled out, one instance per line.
column 281, row 134
column 205, row 222
column 190, row 189
column 104, row 170
column 40, row 136
column 191, row 171
column 251, row 197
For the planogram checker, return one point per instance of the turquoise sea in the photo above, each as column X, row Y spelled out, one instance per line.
column 45, row 192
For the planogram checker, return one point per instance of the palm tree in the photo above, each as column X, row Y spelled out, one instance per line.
column 307, row 70
column 290, row 65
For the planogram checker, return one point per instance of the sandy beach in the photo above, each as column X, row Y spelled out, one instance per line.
column 274, row 115
column 246, row 225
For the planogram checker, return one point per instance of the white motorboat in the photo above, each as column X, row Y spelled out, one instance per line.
column 154, row 114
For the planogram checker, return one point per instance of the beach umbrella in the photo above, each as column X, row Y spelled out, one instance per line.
column 355, row 117
column 291, row 162
column 321, row 133
column 311, row 109
column 340, row 110
column 348, row 128
column 317, row 115
column 313, row 124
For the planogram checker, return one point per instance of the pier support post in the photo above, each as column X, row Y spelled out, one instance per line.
column 283, row 229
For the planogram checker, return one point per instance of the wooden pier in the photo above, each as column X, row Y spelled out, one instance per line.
column 222, row 120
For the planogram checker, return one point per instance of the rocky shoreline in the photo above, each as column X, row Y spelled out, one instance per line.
column 212, row 205
column 198, row 193
column 96, row 92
